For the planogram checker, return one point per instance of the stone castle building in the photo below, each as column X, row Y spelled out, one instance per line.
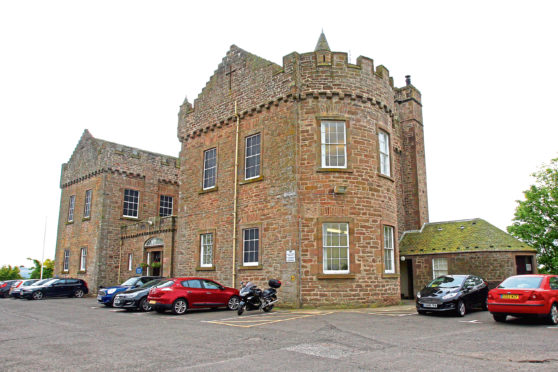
column 308, row 172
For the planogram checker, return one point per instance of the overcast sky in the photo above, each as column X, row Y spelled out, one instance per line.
column 486, row 71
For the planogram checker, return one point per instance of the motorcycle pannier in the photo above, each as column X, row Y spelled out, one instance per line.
column 274, row 283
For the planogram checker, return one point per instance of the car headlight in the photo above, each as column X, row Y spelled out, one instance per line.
column 450, row 295
column 418, row 294
column 111, row 291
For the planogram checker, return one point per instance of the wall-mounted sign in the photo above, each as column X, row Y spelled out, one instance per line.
column 138, row 270
column 291, row 256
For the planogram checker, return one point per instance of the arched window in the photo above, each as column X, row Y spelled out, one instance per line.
column 153, row 242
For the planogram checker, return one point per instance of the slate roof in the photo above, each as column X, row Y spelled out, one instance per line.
column 474, row 235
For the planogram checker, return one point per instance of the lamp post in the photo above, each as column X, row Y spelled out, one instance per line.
column 43, row 257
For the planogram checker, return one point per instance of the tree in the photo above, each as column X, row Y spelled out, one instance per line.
column 8, row 272
column 536, row 217
column 48, row 269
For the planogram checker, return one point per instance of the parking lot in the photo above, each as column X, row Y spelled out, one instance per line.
column 72, row 334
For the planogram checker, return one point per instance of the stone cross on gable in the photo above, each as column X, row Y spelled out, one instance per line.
column 230, row 76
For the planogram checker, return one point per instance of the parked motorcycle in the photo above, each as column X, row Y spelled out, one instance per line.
column 252, row 297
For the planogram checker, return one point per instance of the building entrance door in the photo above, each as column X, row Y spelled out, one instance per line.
column 406, row 271
column 524, row 265
column 155, row 263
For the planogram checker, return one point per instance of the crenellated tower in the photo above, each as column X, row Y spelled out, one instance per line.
column 330, row 173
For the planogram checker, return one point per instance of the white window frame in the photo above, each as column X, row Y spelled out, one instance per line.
column 389, row 250
column 439, row 267
column 384, row 146
column 71, row 208
column 325, row 143
column 66, row 261
column 206, row 250
column 165, row 208
column 87, row 204
column 82, row 259
column 332, row 233
column 130, row 261
column 207, row 169
column 131, row 203
column 253, row 155
column 249, row 244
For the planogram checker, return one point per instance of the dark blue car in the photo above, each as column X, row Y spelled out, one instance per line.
column 105, row 296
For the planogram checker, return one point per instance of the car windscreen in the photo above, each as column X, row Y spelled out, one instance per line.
column 166, row 283
column 40, row 282
column 151, row 283
column 130, row 282
column 447, row 282
column 521, row 282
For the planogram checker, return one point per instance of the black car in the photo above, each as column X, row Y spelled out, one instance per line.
column 455, row 293
column 67, row 287
column 5, row 287
column 136, row 298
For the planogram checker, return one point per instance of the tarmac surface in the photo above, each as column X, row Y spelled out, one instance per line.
column 72, row 334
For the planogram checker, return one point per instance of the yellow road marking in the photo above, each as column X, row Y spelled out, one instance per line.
column 258, row 320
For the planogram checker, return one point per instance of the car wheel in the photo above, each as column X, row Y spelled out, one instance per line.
column 499, row 317
column 179, row 306
column 553, row 315
column 78, row 293
column 421, row 312
column 461, row 308
column 484, row 304
column 144, row 305
column 38, row 295
column 233, row 303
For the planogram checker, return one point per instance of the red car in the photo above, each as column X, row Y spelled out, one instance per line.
column 525, row 295
column 179, row 294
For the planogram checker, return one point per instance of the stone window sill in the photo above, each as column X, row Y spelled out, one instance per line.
column 69, row 222
column 211, row 268
column 82, row 272
column 259, row 267
column 215, row 188
column 129, row 218
column 252, row 180
column 336, row 276
column 386, row 177
column 339, row 170
column 86, row 219
column 390, row 276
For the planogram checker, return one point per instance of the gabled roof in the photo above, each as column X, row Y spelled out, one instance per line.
column 459, row 236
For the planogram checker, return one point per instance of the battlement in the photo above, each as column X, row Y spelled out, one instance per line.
column 252, row 81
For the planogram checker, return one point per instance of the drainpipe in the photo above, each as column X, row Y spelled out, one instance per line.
column 235, row 197
column 119, row 259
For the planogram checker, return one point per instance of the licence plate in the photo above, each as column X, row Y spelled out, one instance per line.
column 152, row 302
column 510, row 296
column 99, row 297
column 430, row 305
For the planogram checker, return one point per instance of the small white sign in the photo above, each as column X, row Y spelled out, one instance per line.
column 291, row 256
